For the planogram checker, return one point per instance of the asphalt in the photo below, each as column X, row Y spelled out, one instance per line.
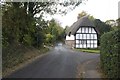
column 60, row 62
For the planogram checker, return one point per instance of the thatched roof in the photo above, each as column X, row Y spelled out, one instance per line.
column 82, row 22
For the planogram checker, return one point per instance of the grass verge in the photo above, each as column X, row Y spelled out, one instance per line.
column 16, row 55
column 97, row 51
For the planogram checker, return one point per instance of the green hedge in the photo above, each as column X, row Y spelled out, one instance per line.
column 110, row 53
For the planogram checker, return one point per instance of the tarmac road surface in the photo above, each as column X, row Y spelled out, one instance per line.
column 60, row 62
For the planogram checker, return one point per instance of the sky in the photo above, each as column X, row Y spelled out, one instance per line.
column 119, row 9
column 100, row 9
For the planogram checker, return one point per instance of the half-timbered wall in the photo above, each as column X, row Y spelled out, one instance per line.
column 86, row 37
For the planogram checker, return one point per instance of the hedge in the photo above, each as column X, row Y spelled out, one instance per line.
column 110, row 53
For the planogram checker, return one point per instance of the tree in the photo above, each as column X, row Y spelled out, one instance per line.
column 83, row 13
column 118, row 22
column 54, row 31
column 112, row 23
column 50, row 7
column 101, row 26
column 20, row 24
column 12, row 22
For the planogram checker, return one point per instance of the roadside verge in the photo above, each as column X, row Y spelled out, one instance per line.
column 20, row 57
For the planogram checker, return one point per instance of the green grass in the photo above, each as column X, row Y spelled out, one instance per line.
column 90, row 50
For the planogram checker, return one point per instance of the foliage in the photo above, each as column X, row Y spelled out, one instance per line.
column 51, row 7
column 118, row 22
column 27, row 40
column 49, row 38
column 111, row 23
column 20, row 24
column 54, row 32
column 15, row 27
column 21, row 29
column 109, row 50
column 83, row 13
column 101, row 26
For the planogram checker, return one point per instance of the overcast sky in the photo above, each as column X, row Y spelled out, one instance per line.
column 100, row 9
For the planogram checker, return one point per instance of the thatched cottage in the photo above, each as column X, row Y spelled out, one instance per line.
column 82, row 34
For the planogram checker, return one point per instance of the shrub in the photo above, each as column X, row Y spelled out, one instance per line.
column 28, row 40
column 109, row 50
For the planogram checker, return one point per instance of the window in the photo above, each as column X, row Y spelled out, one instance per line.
column 88, row 45
column 83, row 31
column 80, row 36
column 89, row 30
column 77, row 36
column 91, row 45
column 84, row 45
column 95, row 36
column 88, row 36
column 95, row 45
column 77, row 46
column 84, row 36
column 83, row 41
column 95, row 41
column 91, row 36
column 92, row 41
column 88, row 41
column 86, row 30
column 80, row 45
column 77, row 41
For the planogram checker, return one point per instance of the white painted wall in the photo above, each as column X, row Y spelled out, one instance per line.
column 71, row 37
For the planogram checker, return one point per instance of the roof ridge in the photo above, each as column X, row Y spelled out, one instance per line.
column 84, row 21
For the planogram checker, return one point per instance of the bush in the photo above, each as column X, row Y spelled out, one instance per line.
column 49, row 38
column 109, row 50
column 28, row 40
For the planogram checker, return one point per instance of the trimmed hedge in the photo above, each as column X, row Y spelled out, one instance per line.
column 110, row 53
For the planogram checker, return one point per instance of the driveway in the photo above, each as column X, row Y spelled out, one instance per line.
column 60, row 62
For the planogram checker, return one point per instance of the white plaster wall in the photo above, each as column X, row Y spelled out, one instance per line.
column 71, row 37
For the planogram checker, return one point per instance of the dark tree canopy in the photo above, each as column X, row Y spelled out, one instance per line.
column 101, row 26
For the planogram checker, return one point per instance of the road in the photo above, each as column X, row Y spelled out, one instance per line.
column 60, row 62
